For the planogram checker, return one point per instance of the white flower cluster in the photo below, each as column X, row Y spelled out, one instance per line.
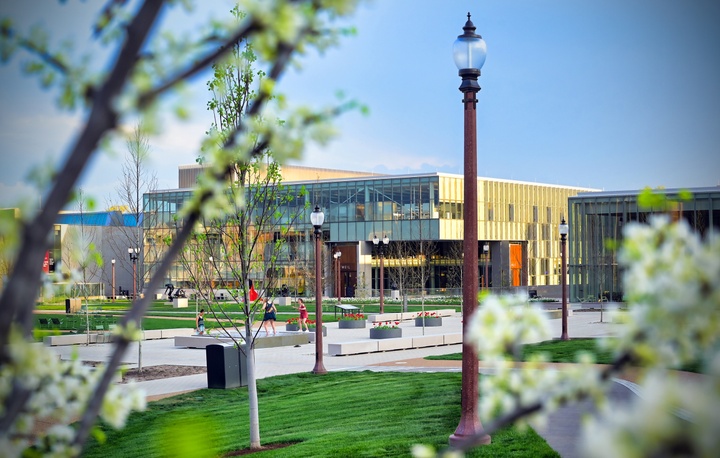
column 59, row 391
column 671, row 280
column 498, row 330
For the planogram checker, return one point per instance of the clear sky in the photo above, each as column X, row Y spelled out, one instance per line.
column 610, row 94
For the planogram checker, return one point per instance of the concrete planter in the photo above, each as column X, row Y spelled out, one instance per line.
column 429, row 321
column 351, row 324
column 292, row 327
column 376, row 333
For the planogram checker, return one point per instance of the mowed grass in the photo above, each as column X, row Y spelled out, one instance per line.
column 340, row 414
column 558, row 351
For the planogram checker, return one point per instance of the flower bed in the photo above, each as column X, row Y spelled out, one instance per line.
column 386, row 330
column 428, row 319
column 352, row 321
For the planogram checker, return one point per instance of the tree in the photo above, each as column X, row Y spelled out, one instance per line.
column 81, row 261
column 134, row 82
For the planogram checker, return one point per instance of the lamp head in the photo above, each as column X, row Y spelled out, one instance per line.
column 469, row 50
column 564, row 229
column 113, row 261
column 375, row 240
column 317, row 218
column 386, row 240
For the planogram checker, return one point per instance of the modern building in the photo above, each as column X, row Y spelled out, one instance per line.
column 598, row 217
column 88, row 243
column 420, row 214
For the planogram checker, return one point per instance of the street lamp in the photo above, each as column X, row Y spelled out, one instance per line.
column 469, row 52
column 381, row 251
column 133, row 252
column 563, row 279
column 317, row 218
column 486, row 251
column 113, row 279
column 337, row 255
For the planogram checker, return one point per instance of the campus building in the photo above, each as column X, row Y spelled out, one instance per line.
column 598, row 217
column 421, row 215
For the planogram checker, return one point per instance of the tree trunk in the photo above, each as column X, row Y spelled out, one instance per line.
column 254, row 410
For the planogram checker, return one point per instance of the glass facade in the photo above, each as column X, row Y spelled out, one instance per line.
column 599, row 218
column 421, row 214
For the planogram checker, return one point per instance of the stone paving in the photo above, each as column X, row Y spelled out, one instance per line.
column 561, row 435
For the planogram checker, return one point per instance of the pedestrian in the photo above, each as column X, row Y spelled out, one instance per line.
column 200, row 322
column 303, row 315
column 269, row 316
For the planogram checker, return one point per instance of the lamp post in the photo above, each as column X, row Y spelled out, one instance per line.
column 317, row 218
column 486, row 251
column 337, row 255
column 469, row 53
column 133, row 252
column 563, row 278
column 113, row 279
column 381, row 244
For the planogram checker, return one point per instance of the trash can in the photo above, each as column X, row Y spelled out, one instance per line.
column 226, row 366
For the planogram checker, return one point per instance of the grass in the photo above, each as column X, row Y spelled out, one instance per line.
column 339, row 414
column 558, row 351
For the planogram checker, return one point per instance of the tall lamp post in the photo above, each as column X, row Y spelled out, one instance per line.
column 563, row 278
column 317, row 218
column 486, row 251
column 113, row 279
column 133, row 252
column 469, row 53
column 380, row 244
column 337, row 255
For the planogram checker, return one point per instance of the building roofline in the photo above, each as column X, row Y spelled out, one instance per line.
column 627, row 193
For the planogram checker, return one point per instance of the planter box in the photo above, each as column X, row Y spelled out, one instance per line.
column 292, row 327
column 429, row 321
column 351, row 324
column 376, row 333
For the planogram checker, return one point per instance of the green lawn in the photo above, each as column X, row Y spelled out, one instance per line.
column 339, row 414
column 559, row 351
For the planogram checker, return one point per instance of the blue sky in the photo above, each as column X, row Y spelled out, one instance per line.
column 609, row 94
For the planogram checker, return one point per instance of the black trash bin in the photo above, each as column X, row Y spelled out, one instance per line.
column 226, row 366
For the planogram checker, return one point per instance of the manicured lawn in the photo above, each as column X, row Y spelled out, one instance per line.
column 559, row 351
column 340, row 414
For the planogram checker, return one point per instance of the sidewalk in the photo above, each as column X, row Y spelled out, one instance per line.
column 560, row 432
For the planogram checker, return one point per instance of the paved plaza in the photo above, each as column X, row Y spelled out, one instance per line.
column 560, row 432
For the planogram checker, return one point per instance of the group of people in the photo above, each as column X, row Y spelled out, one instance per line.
column 269, row 317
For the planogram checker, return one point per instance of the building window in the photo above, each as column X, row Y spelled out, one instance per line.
column 535, row 214
column 491, row 214
column 511, row 212
column 549, row 215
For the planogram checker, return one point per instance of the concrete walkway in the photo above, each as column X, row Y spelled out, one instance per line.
column 561, row 435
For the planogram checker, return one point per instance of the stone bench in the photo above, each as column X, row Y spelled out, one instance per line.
column 281, row 340
column 404, row 316
column 106, row 336
column 555, row 314
column 399, row 343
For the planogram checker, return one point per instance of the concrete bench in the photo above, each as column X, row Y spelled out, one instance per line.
column 280, row 340
column 399, row 343
column 378, row 317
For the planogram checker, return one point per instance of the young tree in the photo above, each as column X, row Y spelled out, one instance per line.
column 134, row 82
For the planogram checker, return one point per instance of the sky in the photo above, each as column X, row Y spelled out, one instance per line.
column 610, row 94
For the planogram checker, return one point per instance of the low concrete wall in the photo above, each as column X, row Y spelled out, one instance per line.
column 105, row 337
column 280, row 340
column 400, row 343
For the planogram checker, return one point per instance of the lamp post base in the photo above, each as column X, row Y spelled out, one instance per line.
column 457, row 439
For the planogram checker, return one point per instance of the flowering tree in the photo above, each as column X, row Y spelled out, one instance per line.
column 673, row 319
column 145, row 69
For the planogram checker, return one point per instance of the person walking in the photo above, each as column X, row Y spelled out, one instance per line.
column 303, row 315
column 200, row 322
column 269, row 316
